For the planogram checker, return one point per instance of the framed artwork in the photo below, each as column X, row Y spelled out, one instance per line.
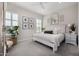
column 61, row 18
column 52, row 21
column 55, row 19
column 27, row 23
column 24, row 19
column 31, row 25
column 25, row 26
column 31, row 20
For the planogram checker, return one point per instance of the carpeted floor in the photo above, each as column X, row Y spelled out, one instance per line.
column 1, row 49
column 31, row 48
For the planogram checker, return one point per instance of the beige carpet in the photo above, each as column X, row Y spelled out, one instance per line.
column 30, row 48
column 1, row 49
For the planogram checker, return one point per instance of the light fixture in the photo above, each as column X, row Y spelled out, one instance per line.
column 69, row 25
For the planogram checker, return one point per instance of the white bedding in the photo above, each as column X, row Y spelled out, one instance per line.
column 53, row 38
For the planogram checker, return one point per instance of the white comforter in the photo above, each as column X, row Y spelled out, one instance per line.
column 53, row 38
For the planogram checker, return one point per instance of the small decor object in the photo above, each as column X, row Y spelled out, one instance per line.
column 31, row 26
column 30, row 20
column 25, row 26
column 72, row 28
column 25, row 19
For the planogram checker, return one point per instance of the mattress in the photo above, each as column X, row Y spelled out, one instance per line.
column 54, row 38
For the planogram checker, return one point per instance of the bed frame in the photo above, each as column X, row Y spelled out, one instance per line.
column 54, row 46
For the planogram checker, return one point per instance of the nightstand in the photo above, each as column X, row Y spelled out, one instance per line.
column 71, row 38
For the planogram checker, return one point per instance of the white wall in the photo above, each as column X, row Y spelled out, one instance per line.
column 70, row 16
column 23, row 34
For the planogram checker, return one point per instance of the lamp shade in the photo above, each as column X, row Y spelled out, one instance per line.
column 69, row 25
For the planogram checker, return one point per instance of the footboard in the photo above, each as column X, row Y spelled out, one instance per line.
column 50, row 44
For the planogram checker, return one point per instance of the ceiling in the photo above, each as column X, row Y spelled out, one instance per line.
column 44, row 8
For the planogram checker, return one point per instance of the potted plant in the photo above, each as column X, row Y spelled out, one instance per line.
column 43, row 29
column 13, row 31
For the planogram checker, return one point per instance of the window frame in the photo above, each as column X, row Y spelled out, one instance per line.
column 39, row 28
column 11, row 20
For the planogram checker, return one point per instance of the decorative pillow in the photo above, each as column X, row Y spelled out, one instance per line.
column 9, row 43
column 55, row 31
column 48, row 32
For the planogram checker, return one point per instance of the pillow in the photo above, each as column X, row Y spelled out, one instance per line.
column 48, row 32
column 55, row 31
column 9, row 43
column 59, row 30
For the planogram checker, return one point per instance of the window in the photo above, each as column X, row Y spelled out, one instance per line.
column 38, row 25
column 11, row 19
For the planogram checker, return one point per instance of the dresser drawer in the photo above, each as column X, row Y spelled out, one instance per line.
column 71, row 38
column 71, row 42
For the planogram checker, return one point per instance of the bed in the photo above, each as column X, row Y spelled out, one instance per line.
column 52, row 40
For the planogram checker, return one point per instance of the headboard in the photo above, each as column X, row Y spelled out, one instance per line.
column 57, row 28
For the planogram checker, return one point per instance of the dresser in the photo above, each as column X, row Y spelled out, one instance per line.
column 71, row 38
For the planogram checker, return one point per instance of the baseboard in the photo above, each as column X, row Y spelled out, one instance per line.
column 24, row 40
column 21, row 40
